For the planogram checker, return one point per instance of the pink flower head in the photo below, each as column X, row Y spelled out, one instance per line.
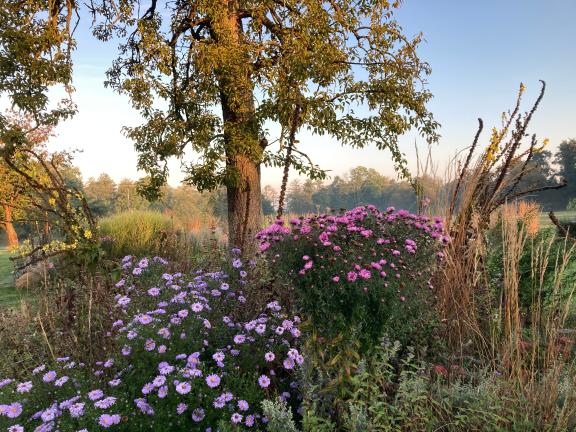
column 352, row 276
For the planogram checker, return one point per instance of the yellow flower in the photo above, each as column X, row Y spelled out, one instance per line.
column 522, row 88
column 545, row 142
column 52, row 202
column 88, row 234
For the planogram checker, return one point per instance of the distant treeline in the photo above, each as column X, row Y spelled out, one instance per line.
column 359, row 186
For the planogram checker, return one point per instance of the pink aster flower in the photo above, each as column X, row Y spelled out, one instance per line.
column 352, row 276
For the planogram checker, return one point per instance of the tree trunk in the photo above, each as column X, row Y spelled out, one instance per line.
column 11, row 233
column 244, row 206
column 243, row 146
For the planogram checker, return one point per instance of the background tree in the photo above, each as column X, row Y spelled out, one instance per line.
column 128, row 198
column 13, row 187
column 181, row 60
column 101, row 194
column 565, row 158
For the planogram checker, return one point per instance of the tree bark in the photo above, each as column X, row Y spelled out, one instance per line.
column 11, row 233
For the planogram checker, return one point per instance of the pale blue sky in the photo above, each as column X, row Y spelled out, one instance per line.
column 479, row 52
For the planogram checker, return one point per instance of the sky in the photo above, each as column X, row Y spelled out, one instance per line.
column 479, row 52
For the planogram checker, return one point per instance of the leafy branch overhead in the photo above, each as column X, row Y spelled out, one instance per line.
column 347, row 64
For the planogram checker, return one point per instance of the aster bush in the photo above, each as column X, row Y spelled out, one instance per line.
column 361, row 273
column 186, row 360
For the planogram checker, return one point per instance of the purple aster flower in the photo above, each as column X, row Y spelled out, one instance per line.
column 163, row 392
column 39, row 369
column 243, row 405
column 16, row 428
column 288, row 363
column 264, row 381
column 197, row 307
column 107, row 420
column 124, row 300
column 149, row 345
column 239, row 338
column 48, row 415
column 236, row 418
column 183, row 388
column 213, row 380
column 144, row 406
column 269, row 356
column 147, row 388
column 218, row 356
column 260, row 328
column 61, row 381
column 154, row 291
column 77, row 409
column 237, row 263
column 105, row 403
column 144, row 319
column 249, row 421
column 95, row 394
column 49, row 376
column 181, row 408
column 198, row 415
column 24, row 387
column 13, row 410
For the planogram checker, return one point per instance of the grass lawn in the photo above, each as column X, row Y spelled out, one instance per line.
column 8, row 294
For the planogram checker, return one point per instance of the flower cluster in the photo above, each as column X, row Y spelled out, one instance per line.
column 364, row 267
column 185, row 360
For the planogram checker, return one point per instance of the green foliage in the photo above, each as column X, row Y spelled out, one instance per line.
column 279, row 415
column 134, row 232
column 35, row 46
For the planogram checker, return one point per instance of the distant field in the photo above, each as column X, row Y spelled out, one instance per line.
column 8, row 294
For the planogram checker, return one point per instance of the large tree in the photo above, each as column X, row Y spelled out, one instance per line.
column 212, row 76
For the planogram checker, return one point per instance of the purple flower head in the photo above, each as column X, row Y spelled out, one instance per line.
column 198, row 415
column 236, row 418
column 237, row 263
column 95, row 394
column 218, row 356
column 243, row 405
column 181, row 408
column 105, row 403
column 351, row 276
column 183, row 388
column 269, row 356
column 49, row 376
column 213, row 380
column 11, row 411
column 24, row 387
column 77, row 409
column 107, row 420
column 264, row 381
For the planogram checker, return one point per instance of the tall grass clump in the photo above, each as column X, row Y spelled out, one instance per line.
column 137, row 232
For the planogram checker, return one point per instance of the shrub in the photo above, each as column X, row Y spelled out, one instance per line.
column 185, row 360
column 133, row 232
column 359, row 273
